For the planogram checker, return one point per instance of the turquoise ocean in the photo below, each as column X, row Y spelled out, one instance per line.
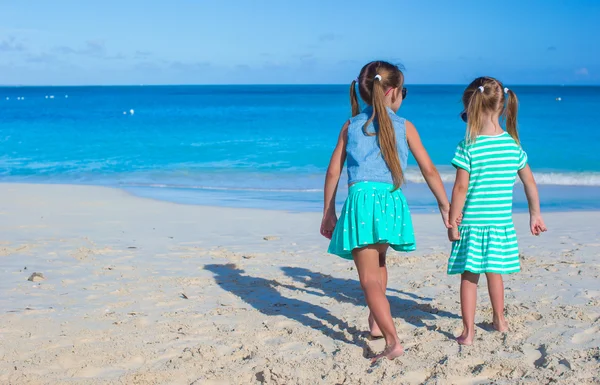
column 268, row 146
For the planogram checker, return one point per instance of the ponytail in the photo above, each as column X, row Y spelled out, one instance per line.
column 512, row 107
column 354, row 99
column 386, row 134
column 474, row 112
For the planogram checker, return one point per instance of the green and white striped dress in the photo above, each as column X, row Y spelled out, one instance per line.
column 488, row 241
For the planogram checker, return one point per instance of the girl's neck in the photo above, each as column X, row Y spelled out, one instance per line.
column 491, row 126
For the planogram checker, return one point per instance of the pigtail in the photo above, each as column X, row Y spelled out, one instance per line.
column 474, row 112
column 512, row 107
column 354, row 99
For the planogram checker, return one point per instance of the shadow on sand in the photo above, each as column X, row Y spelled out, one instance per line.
column 409, row 307
column 263, row 295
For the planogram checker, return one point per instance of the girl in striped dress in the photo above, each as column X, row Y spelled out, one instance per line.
column 487, row 163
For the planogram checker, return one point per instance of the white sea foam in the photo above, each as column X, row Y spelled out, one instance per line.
column 218, row 188
column 542, row 178
column 556, row 179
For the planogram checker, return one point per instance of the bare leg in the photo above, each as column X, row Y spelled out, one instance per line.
column 367, row 264
column 468, row 303
column 496, row 290
column 373, row 327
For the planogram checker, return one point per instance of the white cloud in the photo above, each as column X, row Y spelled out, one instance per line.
column 91, row 48
column 326, row 37
column 11, row 44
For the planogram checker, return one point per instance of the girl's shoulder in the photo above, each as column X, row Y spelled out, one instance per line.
column 487, row 141
column 362, row 117
column 398, row 119
column 491, row 141
column 365, row 115
column 464, row 144
column 395, row 117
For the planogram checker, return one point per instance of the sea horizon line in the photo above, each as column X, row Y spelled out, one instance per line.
column 273, row 85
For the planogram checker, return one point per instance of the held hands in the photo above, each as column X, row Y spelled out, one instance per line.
column 328, row 224
column 453, row 232
column 536, row 224
column 445, row 211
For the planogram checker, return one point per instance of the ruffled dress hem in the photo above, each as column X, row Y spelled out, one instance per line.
column 485, row 249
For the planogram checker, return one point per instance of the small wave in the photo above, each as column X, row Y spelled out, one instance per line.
column 215, row 143
column 216, row 188
column 542, row 178
column 564, row 179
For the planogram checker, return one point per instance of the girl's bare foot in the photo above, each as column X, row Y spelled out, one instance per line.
column 466, row 338
column 390, row 352
column 500, row 324
column 374, row 328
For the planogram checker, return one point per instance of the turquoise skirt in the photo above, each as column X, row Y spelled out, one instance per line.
column 373, row 214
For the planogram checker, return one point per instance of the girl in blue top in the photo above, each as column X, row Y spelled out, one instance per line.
column 375, row 145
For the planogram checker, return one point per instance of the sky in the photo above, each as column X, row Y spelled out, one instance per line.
column 75, row 42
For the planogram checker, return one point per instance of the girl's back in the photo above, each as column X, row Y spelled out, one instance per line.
column 364, row 159
column 493, row 163
column 375, row 216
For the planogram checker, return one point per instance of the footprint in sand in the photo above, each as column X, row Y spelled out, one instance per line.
column 590, row 294
column 586, row 336
column 84, row 253
column 535, row 356
column 415, row 377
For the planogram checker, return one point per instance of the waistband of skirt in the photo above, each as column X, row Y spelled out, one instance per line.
column 358, row 186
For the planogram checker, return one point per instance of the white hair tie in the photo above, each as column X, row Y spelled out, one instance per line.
column 506, row 90
column 481, row 89
column 378, row 77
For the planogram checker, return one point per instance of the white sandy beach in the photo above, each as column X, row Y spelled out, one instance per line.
column 138, row 291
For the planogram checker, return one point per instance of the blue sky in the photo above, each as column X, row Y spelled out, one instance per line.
column 309, row 41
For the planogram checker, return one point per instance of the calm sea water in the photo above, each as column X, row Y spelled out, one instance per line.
column 268, row 146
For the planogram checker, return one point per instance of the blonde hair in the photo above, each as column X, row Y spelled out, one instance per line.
column 375, row 78
column 487, row 95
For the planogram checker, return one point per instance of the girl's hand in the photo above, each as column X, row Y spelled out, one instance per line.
column 445, row 211
column 536, row 224
column 459, row 219
column 453, row 234
column 328, row 224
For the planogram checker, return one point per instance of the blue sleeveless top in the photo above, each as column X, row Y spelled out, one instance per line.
column 363, row 156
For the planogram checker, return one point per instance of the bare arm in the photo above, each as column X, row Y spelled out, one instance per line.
column 332, row 178
column 430, row 173
column 533, row 200
column 459, row 195
column 336, row 164
column 531, row 191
